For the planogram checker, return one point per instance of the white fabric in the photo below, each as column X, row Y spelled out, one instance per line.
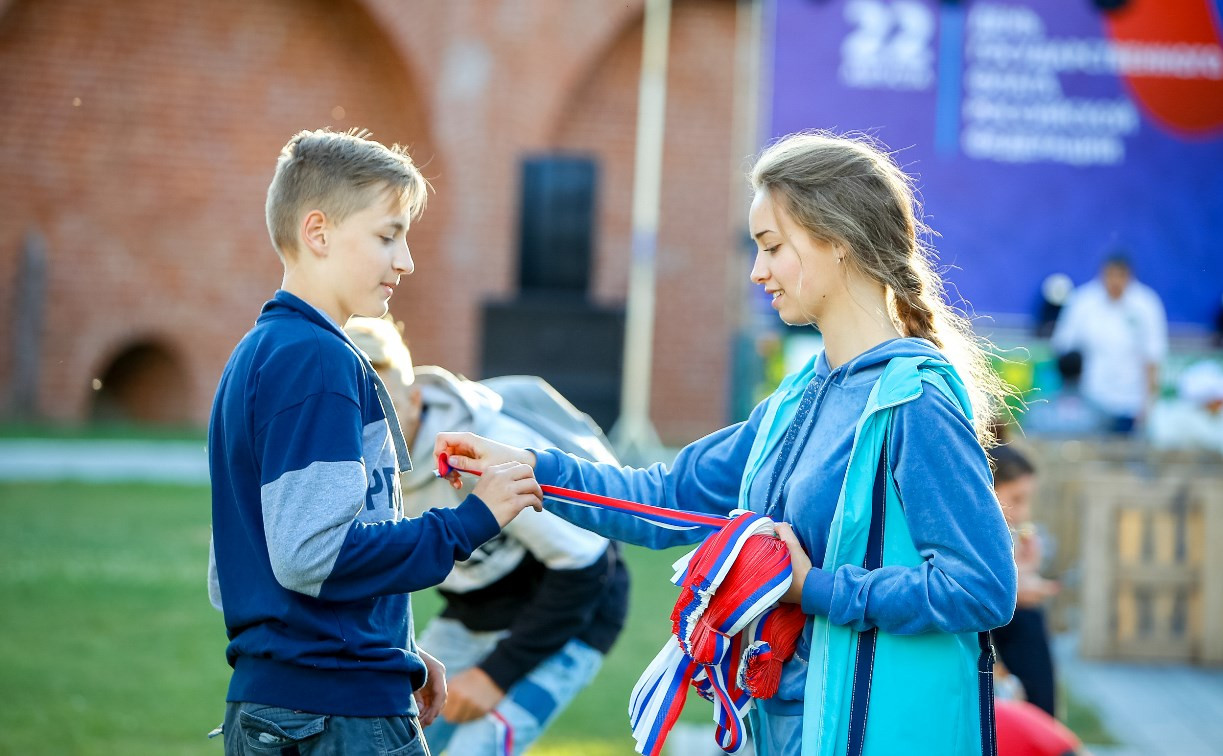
column 1118, row 340
column 453, row 404
column 1178, row 424
column 1201, row 383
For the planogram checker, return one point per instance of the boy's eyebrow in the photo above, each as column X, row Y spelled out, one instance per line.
column 397, row 225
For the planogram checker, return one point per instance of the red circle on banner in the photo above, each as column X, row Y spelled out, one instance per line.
column 1176, row 62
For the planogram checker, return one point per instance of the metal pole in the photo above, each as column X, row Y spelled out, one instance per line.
column 633, row 434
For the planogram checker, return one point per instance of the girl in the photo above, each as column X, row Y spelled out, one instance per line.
column 868, row 459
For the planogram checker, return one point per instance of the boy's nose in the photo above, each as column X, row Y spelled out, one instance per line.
column 403, row 262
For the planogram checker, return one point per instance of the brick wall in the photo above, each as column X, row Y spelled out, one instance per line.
column 138, row 138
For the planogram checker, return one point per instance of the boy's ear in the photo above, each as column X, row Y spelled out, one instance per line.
column 314, row 230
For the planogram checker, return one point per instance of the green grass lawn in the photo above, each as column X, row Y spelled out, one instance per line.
column 108, row 644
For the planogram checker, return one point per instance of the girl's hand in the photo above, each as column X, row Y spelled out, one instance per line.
column 800, row 564
column 467, row 451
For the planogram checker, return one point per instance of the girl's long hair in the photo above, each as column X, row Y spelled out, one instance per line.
column 847, row 190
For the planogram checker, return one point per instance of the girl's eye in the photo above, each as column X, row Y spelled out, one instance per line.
column 772, row 249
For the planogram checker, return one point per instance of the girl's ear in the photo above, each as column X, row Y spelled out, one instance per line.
column 313, row 232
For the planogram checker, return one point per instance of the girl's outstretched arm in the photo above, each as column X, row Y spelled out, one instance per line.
column 704, row 478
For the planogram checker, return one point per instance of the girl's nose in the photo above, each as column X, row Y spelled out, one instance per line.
column 760, row 271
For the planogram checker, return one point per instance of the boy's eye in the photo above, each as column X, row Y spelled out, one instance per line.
column 388, row 240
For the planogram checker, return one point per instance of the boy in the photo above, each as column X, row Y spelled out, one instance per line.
column 313, row 556
column 531, row 614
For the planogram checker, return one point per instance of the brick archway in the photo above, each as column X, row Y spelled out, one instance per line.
column 144, row 382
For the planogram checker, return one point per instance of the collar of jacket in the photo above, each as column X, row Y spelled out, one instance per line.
column 294, row 303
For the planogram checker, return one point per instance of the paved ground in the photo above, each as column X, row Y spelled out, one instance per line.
column 1154, row 709
column 100, row 461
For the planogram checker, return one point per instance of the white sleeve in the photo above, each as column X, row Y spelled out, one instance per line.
column 1156, row 327
column 1066, row 336
column 558, row 544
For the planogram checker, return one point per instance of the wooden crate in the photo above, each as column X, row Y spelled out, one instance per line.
column 1062, row 466
column 1152, row 563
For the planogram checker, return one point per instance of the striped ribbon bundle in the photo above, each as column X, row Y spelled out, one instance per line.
column 730, row 636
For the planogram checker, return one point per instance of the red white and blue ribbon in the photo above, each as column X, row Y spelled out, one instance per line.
column 504, row 733
column 729, row 585
column 729, row 634
column 673, row 519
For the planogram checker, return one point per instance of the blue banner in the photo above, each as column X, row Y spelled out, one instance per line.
column 1044, row 134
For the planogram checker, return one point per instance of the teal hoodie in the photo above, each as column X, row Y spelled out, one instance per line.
column 957, row 576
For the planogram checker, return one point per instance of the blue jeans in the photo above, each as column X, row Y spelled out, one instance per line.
column 253, row 729
column 529, row 706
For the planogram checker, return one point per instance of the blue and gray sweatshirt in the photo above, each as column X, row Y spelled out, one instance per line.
column 967, row 581
column 313, row 555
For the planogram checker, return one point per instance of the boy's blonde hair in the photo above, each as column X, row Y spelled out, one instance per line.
column 382, row 341
column 847, row 190
column 339, row 173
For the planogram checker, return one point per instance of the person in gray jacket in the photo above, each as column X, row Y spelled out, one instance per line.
column 530, row 615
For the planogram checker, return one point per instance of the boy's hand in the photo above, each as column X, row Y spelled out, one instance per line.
column 507, row 489
column 467, row 451
column 472, row 695
column 431, row 697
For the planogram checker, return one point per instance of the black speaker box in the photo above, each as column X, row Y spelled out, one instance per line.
column 574, row 345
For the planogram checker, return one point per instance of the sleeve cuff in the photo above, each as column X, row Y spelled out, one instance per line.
column 817, row 592
column 547, row 466
column 477, row 519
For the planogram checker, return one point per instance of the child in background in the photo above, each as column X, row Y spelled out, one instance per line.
column 1023, row 643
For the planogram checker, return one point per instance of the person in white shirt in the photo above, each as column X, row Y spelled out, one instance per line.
column 1119, row 327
